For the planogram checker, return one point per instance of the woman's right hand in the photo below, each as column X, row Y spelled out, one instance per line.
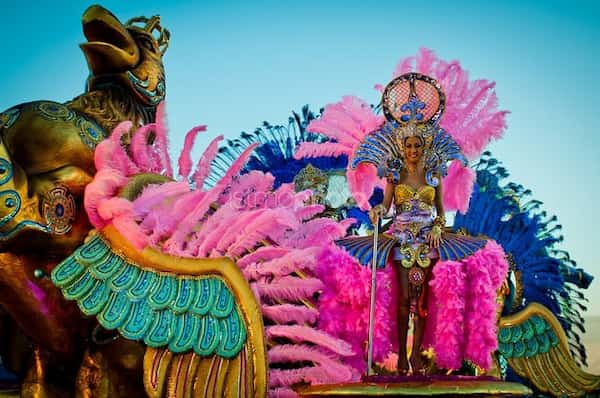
column 376, row 213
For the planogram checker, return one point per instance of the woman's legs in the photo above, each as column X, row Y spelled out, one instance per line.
column 403, row 312
column 416, row 362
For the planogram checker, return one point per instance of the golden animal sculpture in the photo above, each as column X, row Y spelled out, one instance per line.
column 46, row 161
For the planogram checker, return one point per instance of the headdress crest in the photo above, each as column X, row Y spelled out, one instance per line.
column 152, row 27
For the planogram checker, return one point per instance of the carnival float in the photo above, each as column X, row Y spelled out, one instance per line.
column 306, row 259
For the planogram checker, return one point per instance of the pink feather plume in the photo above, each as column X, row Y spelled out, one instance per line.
column 203, row 166
column 458, row 186
column 185, row 158
column 290, row 313
column 161, row 140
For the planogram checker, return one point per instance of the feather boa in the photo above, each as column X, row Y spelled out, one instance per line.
column 462, row 306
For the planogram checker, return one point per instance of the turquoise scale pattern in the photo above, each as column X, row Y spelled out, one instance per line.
column 532, row 337
column 183, row 313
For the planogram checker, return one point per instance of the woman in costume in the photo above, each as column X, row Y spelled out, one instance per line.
column 418, row 222
column 411, row 151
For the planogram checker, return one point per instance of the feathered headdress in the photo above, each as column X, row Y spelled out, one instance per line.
column 412, row 103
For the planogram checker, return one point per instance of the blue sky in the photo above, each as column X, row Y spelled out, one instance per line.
column 232, row 65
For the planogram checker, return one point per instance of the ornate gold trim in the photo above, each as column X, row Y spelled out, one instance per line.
column 222, row 267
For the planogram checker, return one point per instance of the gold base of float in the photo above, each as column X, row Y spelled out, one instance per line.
column 419, row 386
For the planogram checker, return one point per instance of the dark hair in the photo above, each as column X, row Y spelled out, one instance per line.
column 414, row 136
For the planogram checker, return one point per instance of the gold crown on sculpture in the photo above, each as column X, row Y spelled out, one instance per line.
column 152, row 27
column 413, row 103
column 311, row 177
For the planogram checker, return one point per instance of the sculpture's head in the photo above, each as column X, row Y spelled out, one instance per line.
column 127, row 55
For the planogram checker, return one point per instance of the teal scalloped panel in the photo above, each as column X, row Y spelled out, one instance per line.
column 124, row 278
column 115, row 312
column 506, row 349
column 92, row 251
column 544, row 343
column 163, row 292
column 107, row 267
column 519, row 349
column 504, row 335
column 531, row 347
column 233, row 335
column 185, row 333
column 206, row 296
column 224, row 304
column 141, row 288
column 186, row 294
column 516, row 333
column 138, row 322
column 95, row 300
column 161, row 330
column 160, row 309
column 66, row 272
column 528, row 330
column 208, row 338
column 80, row 287
column 539, row 324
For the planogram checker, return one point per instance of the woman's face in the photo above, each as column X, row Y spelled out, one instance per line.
column 413, row 149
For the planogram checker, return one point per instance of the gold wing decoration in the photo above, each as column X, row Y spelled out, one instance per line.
column 536, row 348
column 199, row 319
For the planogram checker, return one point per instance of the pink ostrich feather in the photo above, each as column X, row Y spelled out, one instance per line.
column 238, row 227
column 216, row 227
column 130, row 229
column 105, row 185
column 307, row 334
column 290, row 288
column 449, row 291
column 188, row 220
column 264, row 225
column 308, row 212
column 294, row 260
column 485, row 270
column 110, row 153
column 250, row 190
column 286, row 353
column 282, row 392
column 344, row 304
column 264, row 253
column 458, row 186
column 313, row 150
column 347, row 122
column 362, row 182
column 316, row 232
column 309, row 374
column 290, row 313
column 114, row 207
column 162, row 140
column 154, row 195
column 200, row 202
column 185, row 158
column 203, row 166
column 140, row 152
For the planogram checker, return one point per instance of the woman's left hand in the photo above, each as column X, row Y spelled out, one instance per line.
column 434, row 238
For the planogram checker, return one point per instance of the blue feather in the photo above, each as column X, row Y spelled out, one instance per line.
column 505, row 213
